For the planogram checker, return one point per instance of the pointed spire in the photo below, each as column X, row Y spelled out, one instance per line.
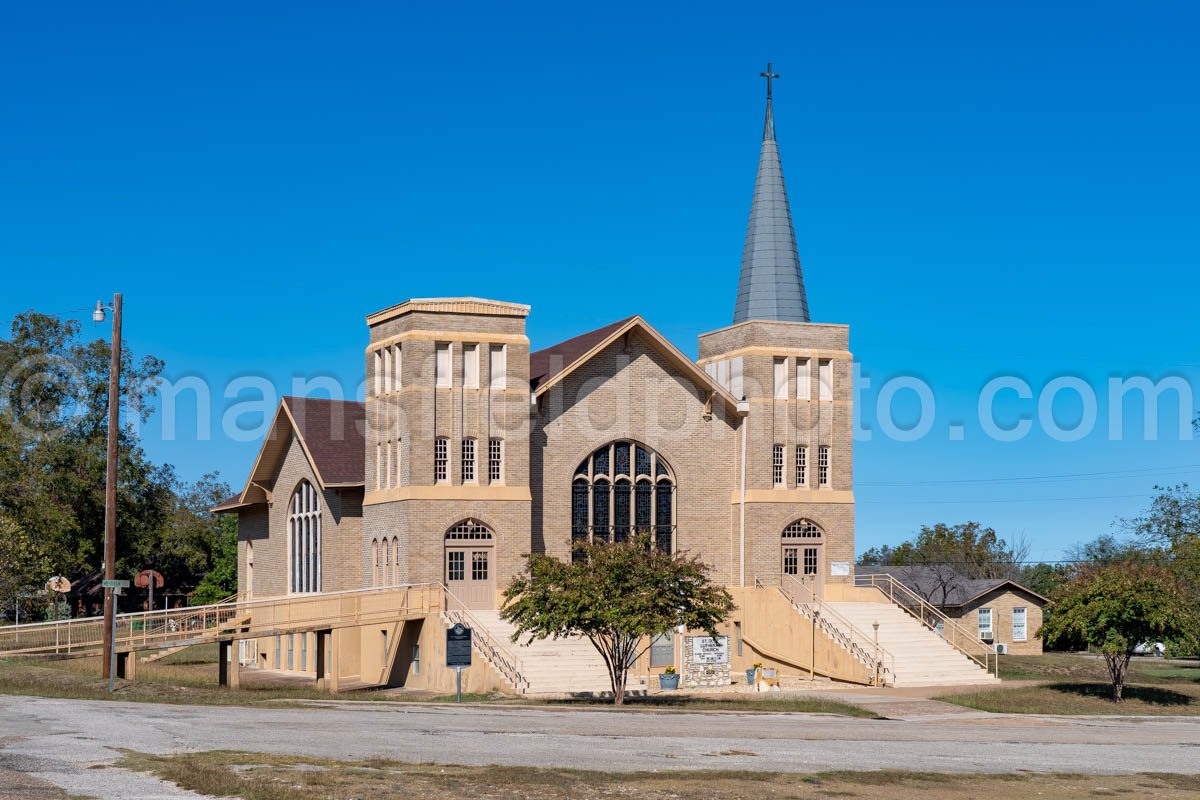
column 771, row 285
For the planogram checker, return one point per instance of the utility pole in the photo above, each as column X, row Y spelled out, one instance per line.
column 110, row 487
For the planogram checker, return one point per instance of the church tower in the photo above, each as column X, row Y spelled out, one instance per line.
column 794, row 505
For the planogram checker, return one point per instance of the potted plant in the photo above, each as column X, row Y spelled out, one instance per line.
column 751, row 673
column 669, row 679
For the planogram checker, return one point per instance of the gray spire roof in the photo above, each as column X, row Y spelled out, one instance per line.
column 771, row 285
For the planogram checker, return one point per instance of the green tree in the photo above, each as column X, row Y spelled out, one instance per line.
column 1045, row 579
column 1115, row 607
column 220, row 581
column 617, row 595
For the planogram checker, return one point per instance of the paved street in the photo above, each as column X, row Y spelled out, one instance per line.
column 59, row 739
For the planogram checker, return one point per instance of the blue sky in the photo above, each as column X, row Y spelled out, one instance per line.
column 977, row 190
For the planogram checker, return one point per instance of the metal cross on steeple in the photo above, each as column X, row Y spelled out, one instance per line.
column 769, row 76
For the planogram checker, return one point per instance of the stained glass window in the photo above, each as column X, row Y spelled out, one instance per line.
column 621, row 458
column 616, row 510
column 643, row 461
column 621, row 511
column 642, row 505
column 600, row 494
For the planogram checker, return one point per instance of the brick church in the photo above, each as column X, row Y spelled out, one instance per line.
column 471, row 450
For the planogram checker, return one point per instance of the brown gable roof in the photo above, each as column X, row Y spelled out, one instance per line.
column 330, row 432
column 333, row 432
column 545, row 364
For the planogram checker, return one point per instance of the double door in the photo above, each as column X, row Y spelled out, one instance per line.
column 470, row 576
column 805, row 563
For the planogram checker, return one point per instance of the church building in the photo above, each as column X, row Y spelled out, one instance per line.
column 472, row 451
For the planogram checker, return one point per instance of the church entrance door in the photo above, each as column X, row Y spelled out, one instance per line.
column 470, row 567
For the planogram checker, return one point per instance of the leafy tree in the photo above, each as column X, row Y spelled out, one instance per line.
column 1107, row 549
column 1115, row 607
column 949, row 556
column 220, row 581
column 1045, row 579
column 617, row 595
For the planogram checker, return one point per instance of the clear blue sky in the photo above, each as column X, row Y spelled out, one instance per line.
column 977, row 190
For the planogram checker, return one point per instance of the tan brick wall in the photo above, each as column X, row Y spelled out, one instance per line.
column 1002, row 603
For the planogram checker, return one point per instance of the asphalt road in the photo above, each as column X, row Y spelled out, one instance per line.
column 59, row 740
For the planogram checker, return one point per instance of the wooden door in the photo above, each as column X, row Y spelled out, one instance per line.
column 471, row 576
column 805, row 562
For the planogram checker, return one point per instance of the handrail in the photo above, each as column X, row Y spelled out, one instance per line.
column 954, row 634
column 167, row 627
column 862, row 647
column 496, row 653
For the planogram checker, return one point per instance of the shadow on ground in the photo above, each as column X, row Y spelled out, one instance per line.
column 1152, row 695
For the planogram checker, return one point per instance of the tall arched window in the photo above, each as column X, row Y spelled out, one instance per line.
column 623, row 488
column 304, row 539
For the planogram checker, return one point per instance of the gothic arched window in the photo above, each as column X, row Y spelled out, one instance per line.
column 623, row 488
column 304, row 539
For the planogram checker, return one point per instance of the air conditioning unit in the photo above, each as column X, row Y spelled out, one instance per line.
column 1001, row 649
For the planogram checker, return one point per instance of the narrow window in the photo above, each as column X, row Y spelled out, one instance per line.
column 375, row 562
column 277, row 648
column 495, row 461
column 498, row 371
column 804, row 379
column 379, row 465
column 468, row 460
column 396, row 461
column 801, row 465
column 387, row 369
column 471, row 366
column 378, row 385
column 723, row 372
column 397, row 360
column 823, row 466
column 387, row 465
column 395, row 556
column 387, row 564
column 291, row 649
column 735, row 378
column 825, row 376
column 1019, row 630
column 777, row 465
column 985, row 624
column 441, row 459
column 416, row 659
column 442, row 366
column 781, row 379
column 303, row 652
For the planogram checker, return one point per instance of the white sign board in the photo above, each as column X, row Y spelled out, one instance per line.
column 707, row 650
column 839, row 568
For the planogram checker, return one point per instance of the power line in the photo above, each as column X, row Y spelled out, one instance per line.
column 1003, row 500
column 1065, row 476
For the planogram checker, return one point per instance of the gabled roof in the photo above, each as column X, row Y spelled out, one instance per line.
column 771, row 285
column 927, row 582
column 549, row 366
column 330, row 432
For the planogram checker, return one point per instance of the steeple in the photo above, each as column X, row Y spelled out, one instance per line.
column 771, row 285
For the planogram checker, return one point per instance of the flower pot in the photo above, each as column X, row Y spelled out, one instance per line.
column 666, row 681
column 750, row 676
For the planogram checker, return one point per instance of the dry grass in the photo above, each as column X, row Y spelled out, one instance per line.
column 190, row 677
column 266, row 777
column 1077, row 684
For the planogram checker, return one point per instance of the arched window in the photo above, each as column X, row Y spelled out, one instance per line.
column 802, row 529
column 623, row 488
column 803, row 551
column 304, row 539
column 376, row 564
column 396, row 557
column 387, row 563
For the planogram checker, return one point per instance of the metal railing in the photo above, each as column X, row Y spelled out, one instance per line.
column 863, row 647
column 933, row 618
column 146, row 630
column 500, row 657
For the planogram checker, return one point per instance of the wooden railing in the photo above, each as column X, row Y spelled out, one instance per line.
column 497, row 654
column 933, row 618
column 863, row 647
column 147, row 630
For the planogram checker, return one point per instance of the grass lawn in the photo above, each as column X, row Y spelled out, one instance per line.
column 1078, row 684
column 257, row 776
column 190, row 677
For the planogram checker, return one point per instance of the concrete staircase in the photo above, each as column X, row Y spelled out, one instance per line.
column 922, row 657
column 554, row 666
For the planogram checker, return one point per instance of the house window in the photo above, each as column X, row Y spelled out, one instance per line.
column 985, row 624
column 441, row 366
column 471, row 366
column 777, row 465
column 304, row 539
column 662, row 650
column 801, row 465
column 618, row 487
column 825, row 378
column 495, row 461
column 823, row 466
column 468, row 460
column 1020, row 631
column 804, row 379
column 781, row 379
column 498, row 371
column 441, row 459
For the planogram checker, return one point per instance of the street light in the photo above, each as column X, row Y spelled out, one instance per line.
column 110, row 485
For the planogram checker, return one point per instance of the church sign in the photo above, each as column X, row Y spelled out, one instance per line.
column 707, row 650
column 706, row 661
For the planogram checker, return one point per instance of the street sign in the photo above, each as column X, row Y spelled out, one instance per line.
column 115, row 584
column 458, row 646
